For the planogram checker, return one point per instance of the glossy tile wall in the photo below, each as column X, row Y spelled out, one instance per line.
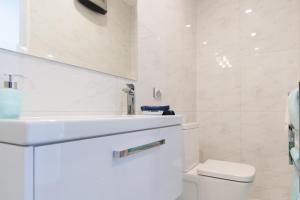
column 168, row 29
column 166, row 60
column 248, row 61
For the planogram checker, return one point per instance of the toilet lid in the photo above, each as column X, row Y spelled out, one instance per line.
column 227, row 170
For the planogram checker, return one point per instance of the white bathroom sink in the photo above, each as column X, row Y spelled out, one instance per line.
column 41, row 130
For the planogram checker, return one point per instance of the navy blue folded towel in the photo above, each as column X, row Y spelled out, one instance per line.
column 155, row 108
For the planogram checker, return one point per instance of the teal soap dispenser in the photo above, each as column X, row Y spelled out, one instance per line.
column 10, row 100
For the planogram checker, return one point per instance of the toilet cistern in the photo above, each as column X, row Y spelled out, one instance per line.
column 130, row 91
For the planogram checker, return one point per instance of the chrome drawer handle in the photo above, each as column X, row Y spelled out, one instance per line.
column 135, row 150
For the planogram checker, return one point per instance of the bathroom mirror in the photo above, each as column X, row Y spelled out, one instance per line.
column 71, row 32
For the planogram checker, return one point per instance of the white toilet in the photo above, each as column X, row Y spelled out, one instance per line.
column 212, row 180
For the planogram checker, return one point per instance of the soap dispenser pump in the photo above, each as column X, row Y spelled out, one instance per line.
column 10, row 99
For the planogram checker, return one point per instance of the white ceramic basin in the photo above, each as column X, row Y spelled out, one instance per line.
column 42, row 130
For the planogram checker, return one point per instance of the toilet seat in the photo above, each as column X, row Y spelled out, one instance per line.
column 227, row 171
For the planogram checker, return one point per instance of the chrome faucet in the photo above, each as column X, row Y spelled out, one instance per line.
column 130, row 91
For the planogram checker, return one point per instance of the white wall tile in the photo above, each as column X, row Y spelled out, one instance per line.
column 251, row 95
column 220, row 135
column 268, row 77
column 275, row 23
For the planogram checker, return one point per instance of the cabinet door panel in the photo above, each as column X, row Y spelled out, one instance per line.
column 16, row 174
column 87, row 170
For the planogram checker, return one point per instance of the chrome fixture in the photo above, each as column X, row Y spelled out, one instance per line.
column 291, row 137
column 130, row 91
column 157, row 94
column 10, row 83
column 135, row 150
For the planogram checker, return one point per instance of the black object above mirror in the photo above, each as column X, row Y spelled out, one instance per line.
column 98, row 6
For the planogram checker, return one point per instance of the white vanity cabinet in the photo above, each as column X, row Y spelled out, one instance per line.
column 134, row 165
